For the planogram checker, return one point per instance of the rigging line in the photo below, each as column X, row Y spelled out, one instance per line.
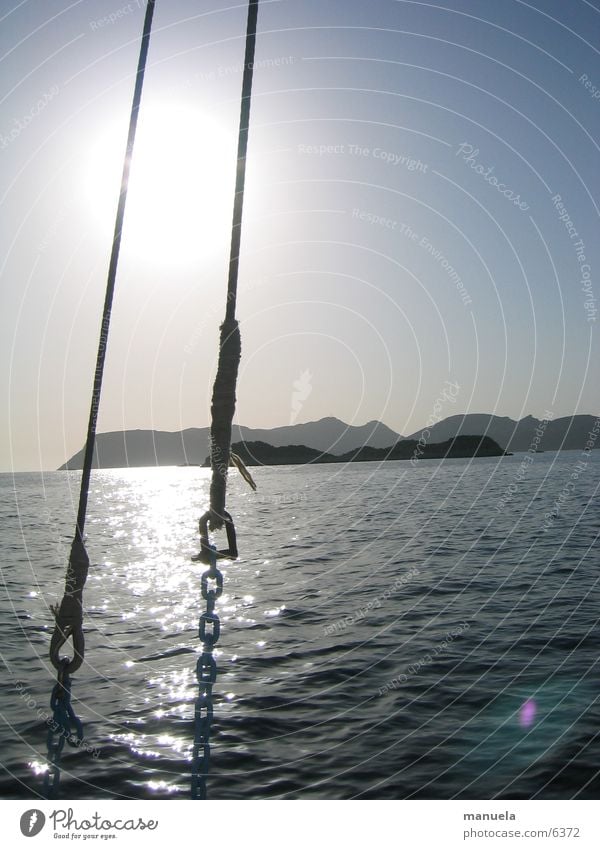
column 112, row 273
column 223, row 398
column 69, row 616
column 222, row 410
column 236, row 230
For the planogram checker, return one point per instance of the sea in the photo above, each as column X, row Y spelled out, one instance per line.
column 389, row 631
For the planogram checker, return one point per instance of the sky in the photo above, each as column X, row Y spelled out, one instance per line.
column 421, row 210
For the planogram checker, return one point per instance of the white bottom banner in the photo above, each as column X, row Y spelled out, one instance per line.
column 267, row 824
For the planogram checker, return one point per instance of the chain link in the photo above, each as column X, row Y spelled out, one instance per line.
column 66, row 727
column 209, row 630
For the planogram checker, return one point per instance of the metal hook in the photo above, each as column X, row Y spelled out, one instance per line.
column 205, row 547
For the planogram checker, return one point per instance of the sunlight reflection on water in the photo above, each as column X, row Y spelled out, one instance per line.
column 303, row 656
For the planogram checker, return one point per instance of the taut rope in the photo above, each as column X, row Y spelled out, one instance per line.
column 69, row 616
column 223, row 398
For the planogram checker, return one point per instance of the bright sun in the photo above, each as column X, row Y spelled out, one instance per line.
column 181, row 184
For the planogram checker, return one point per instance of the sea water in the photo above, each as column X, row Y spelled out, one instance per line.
column 390, row 630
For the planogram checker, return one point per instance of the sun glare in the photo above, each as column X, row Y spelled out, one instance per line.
column 181, row 184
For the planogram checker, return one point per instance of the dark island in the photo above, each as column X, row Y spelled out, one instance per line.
column 263, row 454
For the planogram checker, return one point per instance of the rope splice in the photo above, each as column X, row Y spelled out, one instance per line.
column 222, row 410
column 69, row 616
column 230, row 348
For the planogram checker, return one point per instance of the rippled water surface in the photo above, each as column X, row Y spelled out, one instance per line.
column 388, row 631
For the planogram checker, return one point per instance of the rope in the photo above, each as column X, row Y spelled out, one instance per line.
column 112, row 273
column 239, row 464
column 222, row 410
column 223, row 398
column 69, row 616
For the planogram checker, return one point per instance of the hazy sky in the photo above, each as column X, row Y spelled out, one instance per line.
column 422, row 206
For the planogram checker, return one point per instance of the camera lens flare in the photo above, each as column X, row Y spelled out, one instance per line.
column 527, row 713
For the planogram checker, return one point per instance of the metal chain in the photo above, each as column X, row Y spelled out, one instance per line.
column 65, row 727
column 209, row 629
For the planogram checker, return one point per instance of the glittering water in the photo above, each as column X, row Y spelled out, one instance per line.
column 388, row 632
